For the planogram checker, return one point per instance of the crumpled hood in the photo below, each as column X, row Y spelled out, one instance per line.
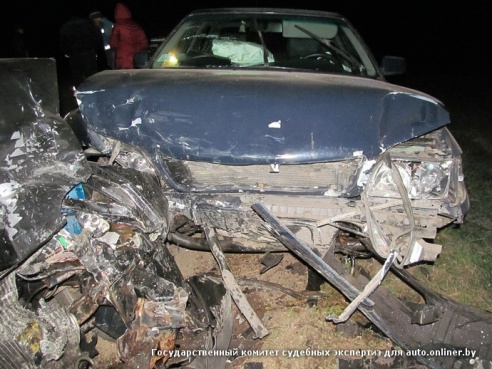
column 255, row 117
column 41, row 159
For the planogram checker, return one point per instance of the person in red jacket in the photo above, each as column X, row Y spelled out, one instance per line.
column 127, row 37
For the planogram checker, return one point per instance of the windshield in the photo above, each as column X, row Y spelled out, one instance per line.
column 269, row 40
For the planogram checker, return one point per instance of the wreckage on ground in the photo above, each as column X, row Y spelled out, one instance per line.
column 249, row 131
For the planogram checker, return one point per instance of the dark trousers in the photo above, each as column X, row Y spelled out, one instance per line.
column 82, row 66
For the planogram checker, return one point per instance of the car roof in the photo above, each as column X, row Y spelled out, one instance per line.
column 285, row 11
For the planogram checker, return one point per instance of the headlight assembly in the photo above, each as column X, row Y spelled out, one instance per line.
column 429, row 180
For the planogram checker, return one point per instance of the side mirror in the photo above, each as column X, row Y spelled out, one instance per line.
column 392, row 65
column 141, row 59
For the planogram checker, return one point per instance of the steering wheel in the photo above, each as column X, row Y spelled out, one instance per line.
column 320, row 56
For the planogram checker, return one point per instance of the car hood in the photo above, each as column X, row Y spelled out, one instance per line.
column 41, row 159
column 255, row 116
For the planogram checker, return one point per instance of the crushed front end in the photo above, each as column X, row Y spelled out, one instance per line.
column 83, row 248
column 280, row 181
column 385, row 165
column 86, row 241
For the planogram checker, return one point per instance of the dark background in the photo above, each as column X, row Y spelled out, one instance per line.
column 442, row 42
column 424, row 32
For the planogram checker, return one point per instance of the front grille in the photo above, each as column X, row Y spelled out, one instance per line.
column 335, row 176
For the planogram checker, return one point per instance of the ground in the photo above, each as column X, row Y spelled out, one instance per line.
column 292, row 322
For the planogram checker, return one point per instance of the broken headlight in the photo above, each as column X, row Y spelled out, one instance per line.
column 422, row 180
column 429, row 179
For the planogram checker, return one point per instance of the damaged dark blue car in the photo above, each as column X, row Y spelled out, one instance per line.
column 290, row 109
column 247, row 131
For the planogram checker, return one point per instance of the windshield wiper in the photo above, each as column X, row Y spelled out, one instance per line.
column 334, row 48
column 265, row 50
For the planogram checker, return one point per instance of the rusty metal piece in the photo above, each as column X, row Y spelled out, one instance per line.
column 135, row 346
column 154, row 327
column 83, row 308
column 124, row 230
column 166, row 342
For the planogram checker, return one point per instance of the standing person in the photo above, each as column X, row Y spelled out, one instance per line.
column 82, row 44
column 106, row 27
column 127, row 38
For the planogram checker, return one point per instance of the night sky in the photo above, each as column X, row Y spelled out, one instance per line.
column 419, row 30
column 434, row 36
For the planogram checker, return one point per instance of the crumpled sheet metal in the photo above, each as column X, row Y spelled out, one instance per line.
column 41, row 158
column 49, row 334
column 155, row 327
column 456, row 326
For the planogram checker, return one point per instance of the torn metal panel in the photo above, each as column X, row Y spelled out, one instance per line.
column 135, row 191
column 112, row 252
column 457, row 327
column 211, row 321
column 444, row 323
column 46, row 337
column 41, row 158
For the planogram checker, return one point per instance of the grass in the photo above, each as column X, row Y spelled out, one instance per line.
column 304, row 327
column 464, row 269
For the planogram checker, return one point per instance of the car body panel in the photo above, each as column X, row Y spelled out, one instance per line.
column 41, row 159
column 254, row 116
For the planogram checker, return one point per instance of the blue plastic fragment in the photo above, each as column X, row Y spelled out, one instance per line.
column 73, row 226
